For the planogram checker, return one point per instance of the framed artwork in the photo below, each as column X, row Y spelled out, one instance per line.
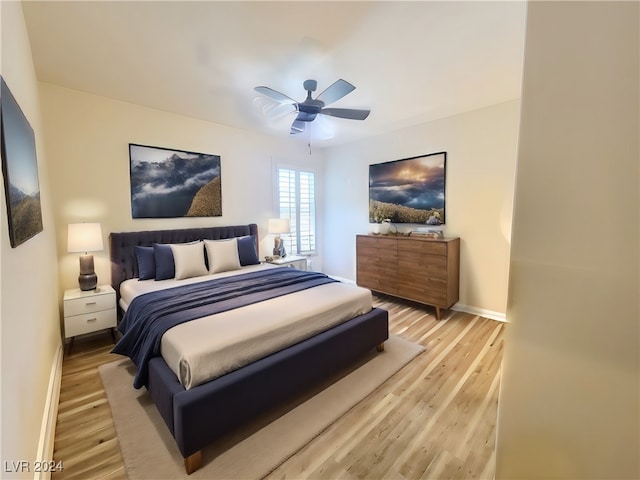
column 168, row 183
column 20, row 170
column 410, row 190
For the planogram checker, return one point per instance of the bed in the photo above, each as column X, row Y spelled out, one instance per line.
column 198, row 411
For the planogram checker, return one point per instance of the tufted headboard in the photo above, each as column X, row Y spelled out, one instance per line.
column 122, row 245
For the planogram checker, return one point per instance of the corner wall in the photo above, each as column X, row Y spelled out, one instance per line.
column 29, row 321
column 569, row 405
column 481, row 153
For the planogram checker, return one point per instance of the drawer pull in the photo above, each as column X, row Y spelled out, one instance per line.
column 88, row 304
column 92, row 319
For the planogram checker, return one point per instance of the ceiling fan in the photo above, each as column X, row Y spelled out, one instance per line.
column 310, row 108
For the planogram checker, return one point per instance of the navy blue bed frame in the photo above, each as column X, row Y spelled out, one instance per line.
column 192, row 415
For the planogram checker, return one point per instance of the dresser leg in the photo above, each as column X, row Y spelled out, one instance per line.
column 438, row 316
column 70, row 345
column 113, row 334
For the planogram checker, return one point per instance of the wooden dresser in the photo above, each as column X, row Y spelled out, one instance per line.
column 418, row 269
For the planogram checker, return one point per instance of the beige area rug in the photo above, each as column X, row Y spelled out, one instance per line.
column 255, row 449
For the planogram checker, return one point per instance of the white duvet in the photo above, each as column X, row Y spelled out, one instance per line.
column 205, row 348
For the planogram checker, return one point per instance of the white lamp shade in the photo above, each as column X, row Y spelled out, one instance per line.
column 84, row 237
column 279, row 225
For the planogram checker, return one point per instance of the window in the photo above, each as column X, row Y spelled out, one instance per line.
column 297, row 202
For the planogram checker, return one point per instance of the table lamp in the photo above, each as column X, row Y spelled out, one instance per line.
column 278, row 226
column 85, row 237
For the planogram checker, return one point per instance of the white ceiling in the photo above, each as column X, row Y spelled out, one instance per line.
column 410, row 61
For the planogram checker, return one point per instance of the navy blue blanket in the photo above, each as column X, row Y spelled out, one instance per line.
column 151, row 314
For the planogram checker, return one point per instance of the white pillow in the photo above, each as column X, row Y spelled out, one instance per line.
column 189, row 260
column 222, row 255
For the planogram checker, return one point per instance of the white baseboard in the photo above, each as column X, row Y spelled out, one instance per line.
column 50, row 414
column 499, row 316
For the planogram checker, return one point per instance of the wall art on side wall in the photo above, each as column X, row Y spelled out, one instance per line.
column 168, row 183
column 410, row 190
column 20, row 170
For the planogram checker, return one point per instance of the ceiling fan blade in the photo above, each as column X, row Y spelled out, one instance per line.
column 277, row 96
column 350, row 113
column 335, row 91
column 279, row 110
column 297, row 126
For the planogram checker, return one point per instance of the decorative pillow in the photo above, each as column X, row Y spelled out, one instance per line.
column 188, row 260
column 146, row 263
column 222, row 255
column 247, row 252
column 163, row 256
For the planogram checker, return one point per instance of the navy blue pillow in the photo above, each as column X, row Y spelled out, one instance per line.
column 165, row 268
column 146, row 263
column 247, row 252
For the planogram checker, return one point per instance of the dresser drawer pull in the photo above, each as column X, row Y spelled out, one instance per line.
column 92, row 319
column 88, row 304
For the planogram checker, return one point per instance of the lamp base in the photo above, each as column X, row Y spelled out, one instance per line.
column 88, row 280
column 278, row 247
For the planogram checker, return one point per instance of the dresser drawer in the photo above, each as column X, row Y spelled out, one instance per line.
column 431, row 285
column 381, row 254
column 377, row 242
column 423, row 295
column 423, row 246
column 426, row 264
column 376, row 265
column 89, row 304
column 377, row 283
column 89, row 322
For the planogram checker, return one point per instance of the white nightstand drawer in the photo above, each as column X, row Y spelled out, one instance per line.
column 89, row 322
column 89, row 304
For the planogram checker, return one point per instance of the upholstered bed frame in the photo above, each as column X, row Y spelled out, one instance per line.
column 198, row 416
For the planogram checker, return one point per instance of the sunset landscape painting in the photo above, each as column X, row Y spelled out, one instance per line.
column 174, row 183
column 410, row 190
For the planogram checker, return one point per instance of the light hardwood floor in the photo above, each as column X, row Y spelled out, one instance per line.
column 434, row 419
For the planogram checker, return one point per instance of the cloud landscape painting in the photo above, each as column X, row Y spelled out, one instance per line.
column 410, row 190
column 174, row 183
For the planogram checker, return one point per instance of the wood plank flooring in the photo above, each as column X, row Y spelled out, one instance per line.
column 434, row 419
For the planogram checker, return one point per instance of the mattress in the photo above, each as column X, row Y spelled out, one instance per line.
column 208, row 347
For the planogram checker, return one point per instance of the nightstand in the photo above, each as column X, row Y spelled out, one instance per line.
column 89, row 311
column 292, row 261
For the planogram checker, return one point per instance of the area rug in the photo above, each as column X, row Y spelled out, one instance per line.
column 256, row 448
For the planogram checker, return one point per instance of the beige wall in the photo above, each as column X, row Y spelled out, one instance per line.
column 481, row 152
column 30, row 333
column 570, row 395
column 88, row 138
